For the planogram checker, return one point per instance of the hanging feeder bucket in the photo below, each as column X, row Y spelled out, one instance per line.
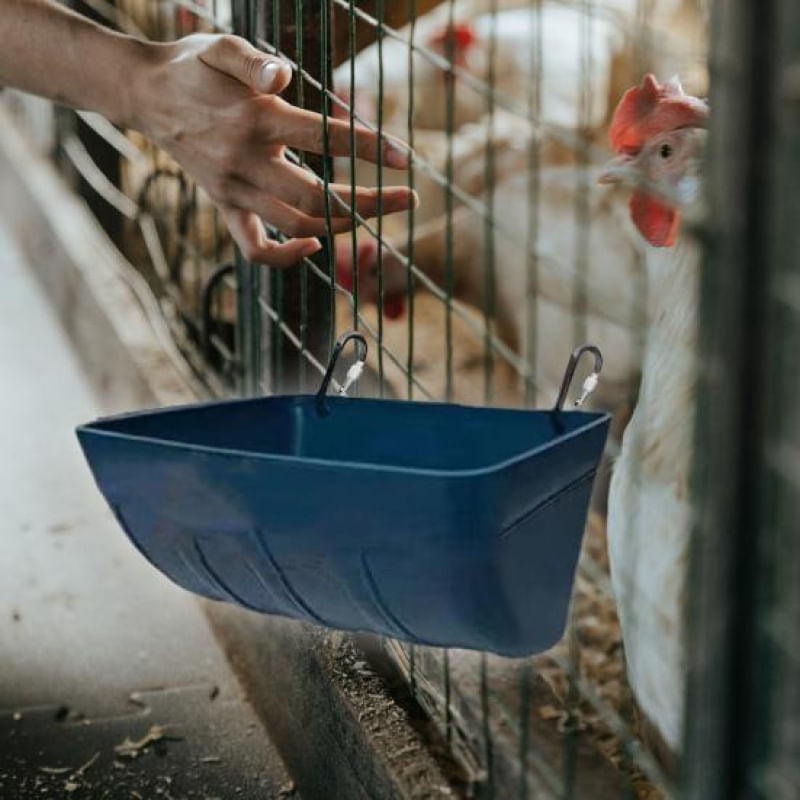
column 433, row 523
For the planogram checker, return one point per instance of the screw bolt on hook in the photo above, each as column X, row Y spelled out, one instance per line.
column 353, row 374
column 589, row 385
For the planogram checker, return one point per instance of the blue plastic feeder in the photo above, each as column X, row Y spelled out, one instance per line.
column 437, row 524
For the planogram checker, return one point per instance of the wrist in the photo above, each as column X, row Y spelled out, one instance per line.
column 142, row 84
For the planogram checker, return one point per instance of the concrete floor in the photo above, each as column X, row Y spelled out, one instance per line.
column 95, row 646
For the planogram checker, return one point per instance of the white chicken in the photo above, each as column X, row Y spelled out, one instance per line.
column 658, row 132
column 609, row 271
column 577, row 50
column 611, row 314
column 585, row 54
column 430, row 358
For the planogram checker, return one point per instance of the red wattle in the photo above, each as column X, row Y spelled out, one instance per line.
column 657, row 222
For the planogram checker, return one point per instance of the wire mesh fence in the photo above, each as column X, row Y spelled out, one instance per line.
column 515, row 255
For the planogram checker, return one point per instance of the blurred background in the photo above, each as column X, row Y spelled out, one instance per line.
column 515, row 256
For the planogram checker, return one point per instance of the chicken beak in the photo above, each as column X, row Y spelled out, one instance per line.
column 620, row 169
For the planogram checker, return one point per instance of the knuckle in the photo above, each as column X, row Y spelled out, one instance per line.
column 368, row 200
column 249, row 251
column 316, row 137
column 310, row 203
column 229, row 161
column 221, row 190
column 264, row 106
column 228, row 44
column 293, row 227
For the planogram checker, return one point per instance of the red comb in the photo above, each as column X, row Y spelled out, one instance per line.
column 653, row 108
column 462, row 34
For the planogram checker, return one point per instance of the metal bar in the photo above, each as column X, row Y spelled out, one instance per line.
column 300, row 102
column 534, row 199
column 302, row 304
column 351, row 114
column 379, row 175
column 327, row 164
column 739, row 264
column 449, row 204
column 489, row 223
column 410, row 285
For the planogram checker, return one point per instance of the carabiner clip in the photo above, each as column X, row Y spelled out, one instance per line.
column 589, row 385
column 353, row 374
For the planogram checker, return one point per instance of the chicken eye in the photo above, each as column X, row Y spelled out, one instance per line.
column 666, row 151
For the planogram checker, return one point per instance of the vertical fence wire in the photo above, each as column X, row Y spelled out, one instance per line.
column 645, row 10
column 380, row 13
column 489, row 222
column 410, row 284
column 450, row 80
column 304, row 315
column 325, row 44
column 534, row 100
column 351, row 38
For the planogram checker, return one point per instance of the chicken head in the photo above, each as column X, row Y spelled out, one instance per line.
column 658, row 133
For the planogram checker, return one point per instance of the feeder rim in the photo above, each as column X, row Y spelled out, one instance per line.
column 95, row 428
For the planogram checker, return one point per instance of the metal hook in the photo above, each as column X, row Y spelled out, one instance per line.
column 353, row 374
column 589, row 385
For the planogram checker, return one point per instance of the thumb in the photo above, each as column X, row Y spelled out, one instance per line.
column 236, row 57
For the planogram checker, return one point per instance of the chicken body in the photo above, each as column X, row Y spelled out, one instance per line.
column 660, row 139
column 574, row 52
column 581, row 283
column 649, row 507
column 429, row 359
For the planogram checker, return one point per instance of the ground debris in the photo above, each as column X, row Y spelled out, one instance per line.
column 136, row 700
column 133, row 749
column 66, row 714
column 78, row 772
column 600, row 663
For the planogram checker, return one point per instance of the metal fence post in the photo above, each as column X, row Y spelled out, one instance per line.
column 744, row 257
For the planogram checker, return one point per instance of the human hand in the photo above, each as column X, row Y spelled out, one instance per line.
column 211, row 101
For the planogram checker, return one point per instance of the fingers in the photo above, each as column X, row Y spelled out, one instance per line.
column 286, row 219
column 251, row 238
column 304, row 130
column 299, row 188
column 236, row 57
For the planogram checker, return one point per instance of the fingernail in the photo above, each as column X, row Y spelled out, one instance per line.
column 396, row 156
column 415, row 200
column 269, row 73
column 310, row 249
